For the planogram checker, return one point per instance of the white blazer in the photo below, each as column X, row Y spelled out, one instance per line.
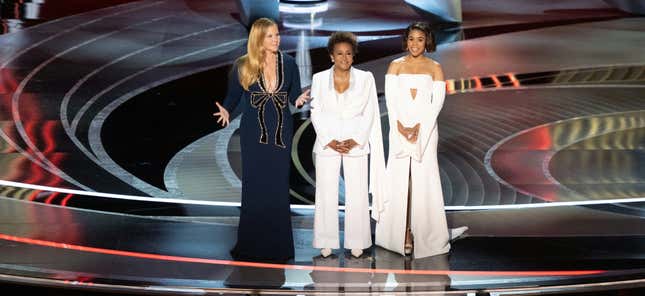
column 349, row 115
column 353, row 114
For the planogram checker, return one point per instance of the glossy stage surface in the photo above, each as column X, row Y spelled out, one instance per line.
column 116, row 178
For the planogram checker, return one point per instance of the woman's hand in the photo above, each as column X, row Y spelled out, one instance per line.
column 415, row 133
column 303, row 98
column 411, row 134
column 338, row 146
column 222, row 115
column 349, row 144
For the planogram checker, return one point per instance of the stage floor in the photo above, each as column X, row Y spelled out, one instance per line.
column 115, row 176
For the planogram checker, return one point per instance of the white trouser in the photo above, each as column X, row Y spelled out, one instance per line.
column 357, row 219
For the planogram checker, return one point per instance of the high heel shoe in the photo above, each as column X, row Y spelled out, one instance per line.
column 408, row 249
column 325, row 252
column 409, row 242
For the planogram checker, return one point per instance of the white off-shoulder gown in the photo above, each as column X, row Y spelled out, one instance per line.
column 415, row 163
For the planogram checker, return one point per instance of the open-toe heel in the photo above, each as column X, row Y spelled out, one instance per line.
column 409, row 243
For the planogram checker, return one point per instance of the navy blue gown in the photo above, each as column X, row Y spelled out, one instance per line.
column 264, row 232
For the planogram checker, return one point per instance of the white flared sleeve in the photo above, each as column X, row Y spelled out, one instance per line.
column 429, row 121
column 391, row 96
column 378, row 184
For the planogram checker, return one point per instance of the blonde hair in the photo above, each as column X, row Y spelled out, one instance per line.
column 250, row 64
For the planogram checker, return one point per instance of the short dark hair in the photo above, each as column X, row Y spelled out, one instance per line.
column 342, row 37
column 431, row 45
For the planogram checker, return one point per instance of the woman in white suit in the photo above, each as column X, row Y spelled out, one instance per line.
column 345, row 115
column 414, row 221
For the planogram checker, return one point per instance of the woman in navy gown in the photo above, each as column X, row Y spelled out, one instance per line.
column 264, row 82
